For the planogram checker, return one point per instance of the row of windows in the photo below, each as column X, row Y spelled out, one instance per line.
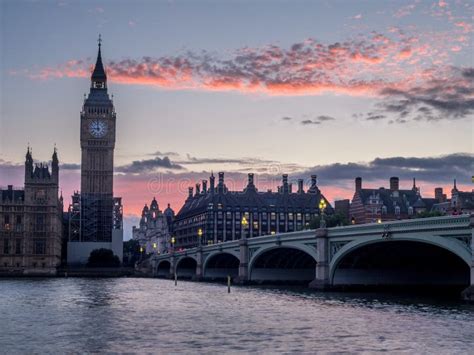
column 39, row 247
column 397, row 210
column 43, row 265
column 99, row 110
column 249, row 216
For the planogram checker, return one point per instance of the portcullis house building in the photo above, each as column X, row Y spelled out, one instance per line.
column 216, row 214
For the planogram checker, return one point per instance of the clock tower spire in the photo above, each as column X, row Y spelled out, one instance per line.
column 99, row 78
column 97, row 163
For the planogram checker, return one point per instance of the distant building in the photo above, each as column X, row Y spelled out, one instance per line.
column 153, row 233
column 461, row 201
column 31, row 221
column 382, row 204
column 342, row 207
column 216, row 214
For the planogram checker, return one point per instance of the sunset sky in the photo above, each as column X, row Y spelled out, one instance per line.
column 335, row 88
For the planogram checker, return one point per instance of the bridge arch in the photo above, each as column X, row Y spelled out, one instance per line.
column 163, row 268
column 283, row 264
column 186, row 267
column 219, row 265
column 406, row 260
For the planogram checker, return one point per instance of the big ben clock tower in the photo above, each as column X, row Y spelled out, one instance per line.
column 97, row 162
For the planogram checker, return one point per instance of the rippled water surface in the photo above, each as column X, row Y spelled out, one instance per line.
column 151, row 315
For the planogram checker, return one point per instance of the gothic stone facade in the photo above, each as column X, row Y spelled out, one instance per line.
column 154, row 231
column 31, row 221
column 216, row 214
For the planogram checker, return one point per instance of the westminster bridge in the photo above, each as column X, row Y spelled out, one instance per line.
column 429, row 251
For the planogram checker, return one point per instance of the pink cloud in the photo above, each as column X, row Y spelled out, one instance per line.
column 361, row 66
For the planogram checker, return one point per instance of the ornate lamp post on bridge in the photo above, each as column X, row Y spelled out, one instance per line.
column 200, row 236
column 322, row 207
column 245, row 225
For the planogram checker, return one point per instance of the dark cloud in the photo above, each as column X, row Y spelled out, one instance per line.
column 310, row 122
column 371, row 117
column 323, row 118
column 432, row 169
column 148, row 165
column 241, row 161
column 165, row 154
column 286, row 118
column 70, row 166
column 451, row 97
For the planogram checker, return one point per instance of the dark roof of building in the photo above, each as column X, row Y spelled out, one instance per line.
column 391, row 199
column 41, row 171
column 12, row 195
column 168, row 212
column 466, row 199
column 250, row 199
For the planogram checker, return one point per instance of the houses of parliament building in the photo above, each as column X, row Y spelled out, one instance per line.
column 31, row 221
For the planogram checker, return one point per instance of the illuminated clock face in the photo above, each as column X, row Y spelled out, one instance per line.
column 98, row 128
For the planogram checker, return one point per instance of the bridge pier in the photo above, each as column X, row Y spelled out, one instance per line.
column 243, row 277
column 172, row 265
column 468, row 293
column 199, row 266
column 154, row 265
column 321, row 282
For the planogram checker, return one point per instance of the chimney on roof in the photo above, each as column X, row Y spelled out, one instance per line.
column 439, row 194
column 285, row 183
column 198, row 189
column 358, row 183
column 190, row 192
column 212, row 180
column 204, row 186
column 220, row 185
column 394, row 181
column 300, row 186
column 314, row 181
column 250, row 179
column 291, row 187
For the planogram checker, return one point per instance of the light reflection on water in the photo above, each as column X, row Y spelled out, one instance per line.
column 151, row 315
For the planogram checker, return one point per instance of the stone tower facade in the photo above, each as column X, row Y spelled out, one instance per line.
column 31, row 218
column 97, row 163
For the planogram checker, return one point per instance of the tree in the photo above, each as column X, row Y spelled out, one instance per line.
column 332, row 220
column 131, row 252
column 103, row 258
column 427, row 214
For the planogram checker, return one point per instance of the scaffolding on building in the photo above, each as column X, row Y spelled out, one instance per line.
column 93, row 217
column 74, row 211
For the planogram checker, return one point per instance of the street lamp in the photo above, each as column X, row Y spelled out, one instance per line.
column 173, row 240
column 322, row 206
column 200, row 236
column 245, row 225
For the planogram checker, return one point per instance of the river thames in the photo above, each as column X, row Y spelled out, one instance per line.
column 155, row 316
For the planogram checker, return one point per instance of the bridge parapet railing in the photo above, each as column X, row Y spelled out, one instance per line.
column 419, row 224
